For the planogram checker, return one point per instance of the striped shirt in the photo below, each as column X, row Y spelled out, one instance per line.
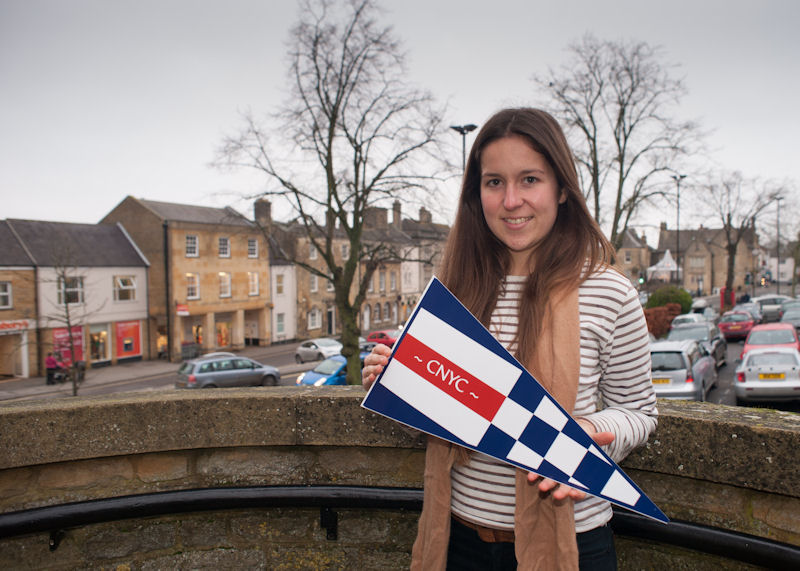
column 615, row 394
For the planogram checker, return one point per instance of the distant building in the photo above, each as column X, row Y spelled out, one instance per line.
column 54, row 274
column 634, row 256
column 209, row 278
column 703, row 257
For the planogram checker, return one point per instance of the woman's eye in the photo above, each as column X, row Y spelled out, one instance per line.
column 492, row 182
column 530, row 179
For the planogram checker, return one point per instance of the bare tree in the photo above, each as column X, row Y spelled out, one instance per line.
column 617, row 101
column 736, row 202
column 358, row 134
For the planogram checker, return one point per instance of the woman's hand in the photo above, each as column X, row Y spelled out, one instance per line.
column 562, row 491
column 374, row 364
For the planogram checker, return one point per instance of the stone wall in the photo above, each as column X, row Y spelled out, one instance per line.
column 726, row 467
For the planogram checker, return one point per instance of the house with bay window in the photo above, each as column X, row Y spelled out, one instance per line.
column 77, row 290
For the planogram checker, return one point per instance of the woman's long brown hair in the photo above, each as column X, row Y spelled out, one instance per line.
column 475, row 262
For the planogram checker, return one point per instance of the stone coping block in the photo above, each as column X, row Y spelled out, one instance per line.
column 747, row 447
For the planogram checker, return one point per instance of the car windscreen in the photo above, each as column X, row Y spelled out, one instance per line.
column 771, row 359
column 667, row 361
column 771, row 337
column 186, row 368
column 688, row 333
column 735, row 318
column 327, row 367
column 327, row 342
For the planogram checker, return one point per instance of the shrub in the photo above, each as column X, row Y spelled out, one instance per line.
column 670, row 294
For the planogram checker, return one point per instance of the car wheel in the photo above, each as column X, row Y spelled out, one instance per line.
column 320, row 356
column 269, row 381
column 298, row 359
column 740, row 402
column 703, row 392
column 210, row 386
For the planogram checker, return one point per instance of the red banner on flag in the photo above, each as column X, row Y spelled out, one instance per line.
column 449, row 377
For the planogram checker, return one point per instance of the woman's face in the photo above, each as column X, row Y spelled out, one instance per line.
column 519, row 196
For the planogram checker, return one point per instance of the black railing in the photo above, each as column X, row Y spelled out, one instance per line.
column 56, row 519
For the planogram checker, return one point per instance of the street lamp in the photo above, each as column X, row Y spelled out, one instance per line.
column 464, row 129
column 778, row 249
column 678, row 178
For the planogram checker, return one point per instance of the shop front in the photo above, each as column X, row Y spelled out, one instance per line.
column 15, row 338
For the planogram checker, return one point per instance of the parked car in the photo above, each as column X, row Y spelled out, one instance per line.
column 224, row 370
column 682, row 370
column 686, row 318
column 771, row 306
column 768, row 374
column 791, row 315
column 707, row 334
column 701, row 307
column 736, row 324
column 752, row 308
column 789, row 304
column 771, row 335
column 317, row 349
column 331, row 371
column 385, row 336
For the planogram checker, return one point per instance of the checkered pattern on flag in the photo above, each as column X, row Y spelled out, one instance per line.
column 448, row 376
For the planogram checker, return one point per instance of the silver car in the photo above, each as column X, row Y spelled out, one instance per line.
column 768, row 374
column 317, row 349
column 225, row 370
column 682, row 370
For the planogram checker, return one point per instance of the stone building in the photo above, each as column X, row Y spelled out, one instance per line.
column 634, row 256
column 209, row 279
column 703, row 257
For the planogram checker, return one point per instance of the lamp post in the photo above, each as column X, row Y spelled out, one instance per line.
column 464, row 129
column 756, row 252
column 678, row 178
column 778, row 249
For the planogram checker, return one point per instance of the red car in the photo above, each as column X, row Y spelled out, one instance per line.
column 736, row 324
column 384, row 336
column 771, row 335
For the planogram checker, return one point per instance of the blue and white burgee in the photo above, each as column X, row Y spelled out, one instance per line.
column 448, row 376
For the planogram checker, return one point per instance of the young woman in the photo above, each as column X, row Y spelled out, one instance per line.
column 526, row 257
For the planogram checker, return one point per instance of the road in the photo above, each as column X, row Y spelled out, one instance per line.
column 282, row 357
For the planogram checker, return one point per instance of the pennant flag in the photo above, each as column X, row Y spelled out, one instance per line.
column 448, row 376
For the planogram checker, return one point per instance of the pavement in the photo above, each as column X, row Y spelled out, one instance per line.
column 36, row 387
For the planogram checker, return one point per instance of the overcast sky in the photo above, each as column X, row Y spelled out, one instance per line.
column 100, row 99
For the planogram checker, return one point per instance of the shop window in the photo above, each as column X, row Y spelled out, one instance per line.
column 224, row 284
column 6, row 299
column 377, row 312
column 252, row 280
column 252, row 248
column 192, row 287
column 124, row 288
column 192, row 249
column 224, row 247
column 70, row 290
column 386, row 311
column 99, row 348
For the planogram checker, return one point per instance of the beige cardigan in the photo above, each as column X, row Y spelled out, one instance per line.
column 544, row 529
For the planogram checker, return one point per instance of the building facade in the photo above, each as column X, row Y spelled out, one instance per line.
column 82, row 295
column 209, row 284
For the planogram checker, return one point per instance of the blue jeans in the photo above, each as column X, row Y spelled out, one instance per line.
column 466, row 551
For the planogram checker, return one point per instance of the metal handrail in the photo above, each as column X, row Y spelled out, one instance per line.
column 54, row 519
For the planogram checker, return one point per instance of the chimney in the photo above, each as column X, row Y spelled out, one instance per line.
column 425, row 215
column 375, row 217
column 396, row 221
column 262, row 210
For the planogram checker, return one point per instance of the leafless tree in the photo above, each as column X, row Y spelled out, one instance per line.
column 736, row 202
column 357, row 133
column 618, row 101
